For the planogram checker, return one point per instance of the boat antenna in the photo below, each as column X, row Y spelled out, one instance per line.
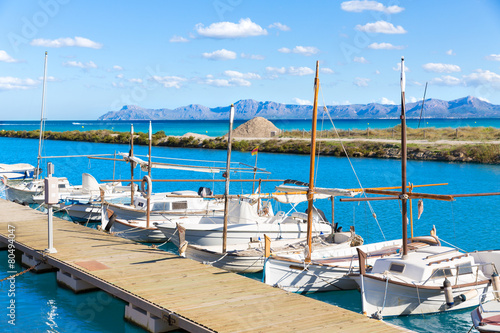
column 39, row 158
column 404, row 195
column 422, row 109
column 310, row 194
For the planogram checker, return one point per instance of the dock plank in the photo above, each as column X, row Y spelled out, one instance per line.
column 201, row 298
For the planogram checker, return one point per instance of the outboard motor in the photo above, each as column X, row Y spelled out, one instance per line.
column 204, row 191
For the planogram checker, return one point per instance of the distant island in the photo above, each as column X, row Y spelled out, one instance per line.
column 466, row 107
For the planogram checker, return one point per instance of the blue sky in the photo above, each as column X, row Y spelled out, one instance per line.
column 166, row 54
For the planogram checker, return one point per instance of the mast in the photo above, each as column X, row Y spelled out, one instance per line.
column 39, row 158
column 310, row 195
column 132, row 165
column 404, row 195
column 226, row 192
column 149, row 173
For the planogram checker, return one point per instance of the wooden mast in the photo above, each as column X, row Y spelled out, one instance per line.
column 149, row 174
column 132, row 164
column 404, row 195
column 40, row 139
column 310, row 194
column 228, row 172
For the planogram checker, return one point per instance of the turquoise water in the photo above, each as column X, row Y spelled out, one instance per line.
column 470, row 223
column 220, row 127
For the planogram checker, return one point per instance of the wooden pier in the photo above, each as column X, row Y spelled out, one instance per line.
column 167, row 292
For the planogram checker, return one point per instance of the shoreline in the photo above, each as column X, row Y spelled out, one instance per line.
column 468, row 151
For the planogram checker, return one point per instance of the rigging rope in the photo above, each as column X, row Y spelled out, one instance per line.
column 352, row 167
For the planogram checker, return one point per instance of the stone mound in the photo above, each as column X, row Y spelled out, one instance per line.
column 257, row 127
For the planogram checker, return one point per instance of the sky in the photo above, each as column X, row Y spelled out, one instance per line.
column 103, row 55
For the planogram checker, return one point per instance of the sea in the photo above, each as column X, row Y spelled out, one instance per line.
column 470, row 223
column 220, row 127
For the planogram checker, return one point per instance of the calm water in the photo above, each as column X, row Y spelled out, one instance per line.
column 220, row 127
column 470, row 223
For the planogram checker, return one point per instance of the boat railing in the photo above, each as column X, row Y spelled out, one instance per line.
column 484, row 296
column 457, row 269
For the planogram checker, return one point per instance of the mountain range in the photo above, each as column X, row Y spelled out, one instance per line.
column 466, row 107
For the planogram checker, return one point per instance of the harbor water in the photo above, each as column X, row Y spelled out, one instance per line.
column 469, row 223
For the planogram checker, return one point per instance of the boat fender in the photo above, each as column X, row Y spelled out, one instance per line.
column 146, row 191
column 112, row 219
column 495, row 281
column 468, row 295
column 204, row 191
column 448, row 292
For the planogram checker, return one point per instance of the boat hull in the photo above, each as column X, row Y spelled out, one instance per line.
column 382, row 298
column 137, row 232
column 23, row 196
column 83, row 212
column 211, row 234
column 229, row 262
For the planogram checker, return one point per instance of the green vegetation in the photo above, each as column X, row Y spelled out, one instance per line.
column 293, row 143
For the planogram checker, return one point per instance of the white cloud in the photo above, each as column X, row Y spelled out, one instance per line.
column 301, row 101
column 450, row 52
column 244, row 28
column 398, row 68
column 483, row 99
column 49, row 79
column 178, row 39
column 493, row 57
column 386, row 101
column 235, row 74
column 377, row 72
column 133, row 80
column 284, row 50
column 361, row 82
column 304, row 50
column 359, row 6
column 326, row 70
column 441, row 68
column 346, row 102
column 299, row 71
column 361, row 60
column 117, row 68
column 412, row 99
column 252, row 56
column 168, row 81
column 384, row 46
column 66, row 42
column 14, row 83
column 80, row 64
column 446, row 80
column 382, row 27
column 233, row 82
column 119, row 76
column 279, row 26
column 482, row 77
column 5, row 57
column 220, row 55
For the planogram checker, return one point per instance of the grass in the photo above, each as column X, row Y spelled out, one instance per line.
column 288, row 142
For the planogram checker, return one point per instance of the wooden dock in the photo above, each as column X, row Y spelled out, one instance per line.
column 170, row 291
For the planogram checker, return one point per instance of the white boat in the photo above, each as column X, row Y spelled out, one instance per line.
column 25, row 192
column 328, row 269
column 251, row 257
column 486, row 317
column 426, row 279
column 19, row 171
column 245, row 222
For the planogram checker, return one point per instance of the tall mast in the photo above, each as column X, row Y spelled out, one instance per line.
column 310, row 194
column 132, row 165
column 39, row 158
column 404, row 195
column 149, row 174
column 228, row 169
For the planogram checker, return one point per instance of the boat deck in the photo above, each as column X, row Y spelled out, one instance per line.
column 190, row 295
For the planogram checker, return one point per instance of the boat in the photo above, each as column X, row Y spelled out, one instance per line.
column 18, row 171
column 428, row 278
column 486, row 317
